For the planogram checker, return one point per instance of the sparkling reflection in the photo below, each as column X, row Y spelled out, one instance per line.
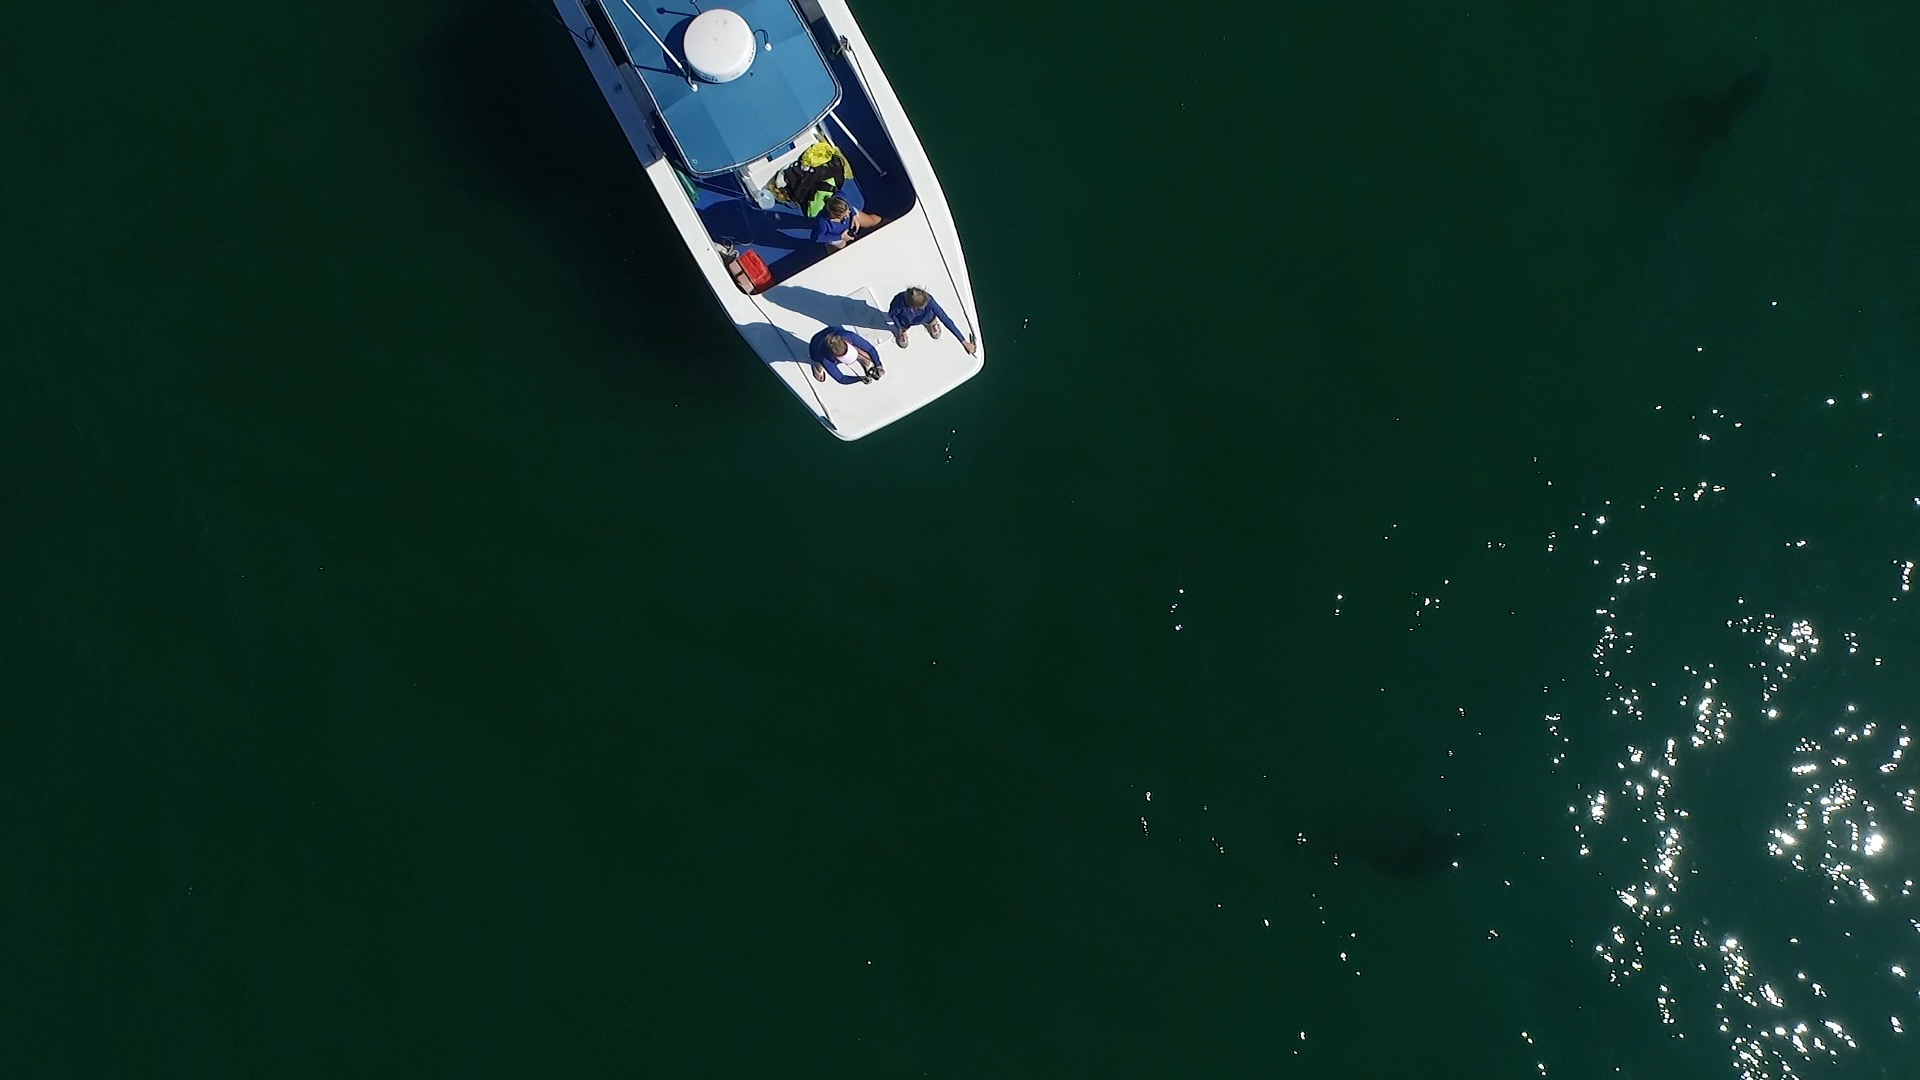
column 1748, row 818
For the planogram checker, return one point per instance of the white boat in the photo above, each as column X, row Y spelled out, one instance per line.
column 719, row 102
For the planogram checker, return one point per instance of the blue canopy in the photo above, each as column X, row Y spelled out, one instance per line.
column 722, row 126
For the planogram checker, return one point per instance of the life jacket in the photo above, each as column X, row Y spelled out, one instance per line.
column 818, row 176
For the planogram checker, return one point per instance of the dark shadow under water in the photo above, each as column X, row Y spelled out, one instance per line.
column 1406, row 847
column 1692, row 124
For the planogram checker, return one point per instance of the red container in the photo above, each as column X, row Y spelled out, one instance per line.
column 756, row 269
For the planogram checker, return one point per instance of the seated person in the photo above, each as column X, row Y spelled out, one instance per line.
column 915, row 308
column 845, row 355
column 839, row 222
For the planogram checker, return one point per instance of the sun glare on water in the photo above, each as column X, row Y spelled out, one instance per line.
column 1739, row 784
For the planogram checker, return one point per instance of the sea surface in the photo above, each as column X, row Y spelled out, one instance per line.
column 1424, row 585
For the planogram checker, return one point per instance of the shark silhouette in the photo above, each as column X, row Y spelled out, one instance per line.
column 1690, row 125
column 1400, row 846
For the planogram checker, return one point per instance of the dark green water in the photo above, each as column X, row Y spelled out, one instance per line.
column 433, row 647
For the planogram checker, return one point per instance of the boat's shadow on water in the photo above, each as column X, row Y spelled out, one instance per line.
column 506, row 92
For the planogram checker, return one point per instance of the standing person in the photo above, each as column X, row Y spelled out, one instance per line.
column 839, row 222
column 845, row 355
column 916, row 308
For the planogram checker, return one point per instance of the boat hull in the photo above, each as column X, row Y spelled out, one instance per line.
column 849, row 287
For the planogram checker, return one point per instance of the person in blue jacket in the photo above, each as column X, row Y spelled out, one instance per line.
column 840, row 352
column 840, row 221
column 915, row 308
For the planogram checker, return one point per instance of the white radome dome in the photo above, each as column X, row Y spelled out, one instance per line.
column 719, row 45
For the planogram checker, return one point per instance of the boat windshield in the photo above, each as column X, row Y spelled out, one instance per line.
column 717, row 126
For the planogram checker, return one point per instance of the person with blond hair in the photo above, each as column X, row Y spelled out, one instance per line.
column 845, row 355
column 915, row 307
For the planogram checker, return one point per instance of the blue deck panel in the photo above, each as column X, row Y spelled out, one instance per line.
column 724, row 125
column 783, row 236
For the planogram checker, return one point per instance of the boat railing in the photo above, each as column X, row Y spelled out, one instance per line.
column 855, row 140
column 846, row 49
column 692, row 85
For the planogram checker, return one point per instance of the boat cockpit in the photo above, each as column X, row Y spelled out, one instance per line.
column 748, row 104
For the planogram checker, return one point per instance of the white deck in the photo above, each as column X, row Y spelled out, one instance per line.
column 850, row 287
column 840, row 289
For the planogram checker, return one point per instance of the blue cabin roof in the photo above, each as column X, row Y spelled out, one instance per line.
column 722, row 126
